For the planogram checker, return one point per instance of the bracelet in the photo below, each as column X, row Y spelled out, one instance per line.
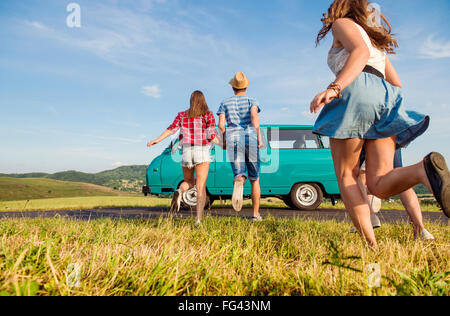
column 336, row 88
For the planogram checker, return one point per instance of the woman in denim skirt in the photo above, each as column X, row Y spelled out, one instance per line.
column 197, row 135
column 364, row 106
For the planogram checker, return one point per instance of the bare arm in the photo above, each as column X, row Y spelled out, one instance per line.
column 391, row 74
column 216, row 141
column 163, row 136
column 222, row 121
column 346, row 33
column 256, row 123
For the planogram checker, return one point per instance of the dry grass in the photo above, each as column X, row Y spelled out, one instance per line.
column 226, row 256
column 80, row 203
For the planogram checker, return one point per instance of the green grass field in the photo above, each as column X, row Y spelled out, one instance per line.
column 12, row 189
column 226, row 256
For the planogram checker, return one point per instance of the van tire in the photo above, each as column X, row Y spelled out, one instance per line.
column 306, row 196
column 186, row 207
column 288, row 201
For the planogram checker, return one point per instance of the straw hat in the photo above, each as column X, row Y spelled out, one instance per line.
column 240, row 81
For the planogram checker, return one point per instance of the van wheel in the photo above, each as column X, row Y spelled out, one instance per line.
column 306, row 196
column 287, row 200
column 189, row 199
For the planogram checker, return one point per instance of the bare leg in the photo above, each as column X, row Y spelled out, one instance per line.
column 256, row 197
column 363, row 187
column 202, row 171
column 382, row 179
column 346, row 154
column 189, row 180
column 412, row 206
column 385, row 175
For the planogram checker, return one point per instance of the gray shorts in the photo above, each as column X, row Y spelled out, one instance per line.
column 195, row 155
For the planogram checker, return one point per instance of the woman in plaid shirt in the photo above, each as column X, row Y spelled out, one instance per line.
column 197, row 133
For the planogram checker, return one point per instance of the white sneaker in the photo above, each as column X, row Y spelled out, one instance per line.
column 176, row 201
column 375, row 221
column 238, row 195
column 256, row 219
column 375, row 224
column 375, row 204
column 425, row 235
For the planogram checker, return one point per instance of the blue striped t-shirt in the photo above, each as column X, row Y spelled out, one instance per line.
column 237, row 111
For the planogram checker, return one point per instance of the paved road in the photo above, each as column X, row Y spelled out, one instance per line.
column 150, row 213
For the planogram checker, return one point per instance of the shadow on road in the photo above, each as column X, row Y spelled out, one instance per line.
column 153, row 213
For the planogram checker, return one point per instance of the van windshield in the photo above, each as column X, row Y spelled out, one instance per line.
column 293, row 139
column 173, row 144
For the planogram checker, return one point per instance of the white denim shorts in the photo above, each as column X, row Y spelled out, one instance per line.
column 195, row 155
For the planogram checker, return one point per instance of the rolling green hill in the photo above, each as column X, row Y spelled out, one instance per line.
column 12, row 189
column 127, row 178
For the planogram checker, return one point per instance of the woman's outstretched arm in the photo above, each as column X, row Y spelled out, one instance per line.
column 163, row 136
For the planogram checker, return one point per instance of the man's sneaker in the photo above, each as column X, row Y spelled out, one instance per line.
column 375, row 204
column 238, row 195
column 439, row 178
column 375, row 221
column 176, row 201
column 375, row 224
column 256, row 219
column 425, row 235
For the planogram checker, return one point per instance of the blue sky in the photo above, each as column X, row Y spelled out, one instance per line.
column 90, row 98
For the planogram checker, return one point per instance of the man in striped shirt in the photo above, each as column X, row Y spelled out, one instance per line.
column 241, row 114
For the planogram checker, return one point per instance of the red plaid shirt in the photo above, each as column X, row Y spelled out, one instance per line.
column 198, row 131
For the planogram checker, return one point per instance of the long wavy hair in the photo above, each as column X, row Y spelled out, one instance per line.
column 199, row 107
column 361, row 13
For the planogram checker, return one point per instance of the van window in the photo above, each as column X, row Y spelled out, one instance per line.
column 325, row 141
column 293, row 139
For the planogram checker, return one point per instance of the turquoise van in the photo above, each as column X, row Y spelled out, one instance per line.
column 296, row 166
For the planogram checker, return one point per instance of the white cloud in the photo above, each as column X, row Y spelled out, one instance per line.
column 39, row 26
column 137, row 39
column 434, row 48
column 152, row 91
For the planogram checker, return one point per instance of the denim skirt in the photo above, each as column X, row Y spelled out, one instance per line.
column 371, row 108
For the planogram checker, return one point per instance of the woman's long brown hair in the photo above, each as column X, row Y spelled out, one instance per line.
column 199, row 107
column 359, row 12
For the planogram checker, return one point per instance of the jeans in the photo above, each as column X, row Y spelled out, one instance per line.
column 244, row 156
